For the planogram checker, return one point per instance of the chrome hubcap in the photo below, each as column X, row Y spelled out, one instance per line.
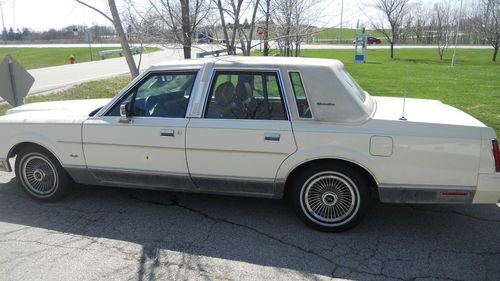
column 329, row 197
column 39, row 174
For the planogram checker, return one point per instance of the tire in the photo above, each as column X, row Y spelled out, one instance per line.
column 41, row 176
column 330, row 198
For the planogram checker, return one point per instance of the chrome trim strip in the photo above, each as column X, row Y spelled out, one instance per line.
column 224, row 177
column 427, row 186
column 5, row 165
column 426, row 195
column 137, row 171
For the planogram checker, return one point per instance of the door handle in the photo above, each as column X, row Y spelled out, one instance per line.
column 167, row 133
column 272, row 137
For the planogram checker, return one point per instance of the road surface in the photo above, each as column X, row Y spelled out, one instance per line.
column 101, row 233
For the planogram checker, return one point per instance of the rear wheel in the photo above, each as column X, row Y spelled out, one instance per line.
column 41, row 175
column 330, row 198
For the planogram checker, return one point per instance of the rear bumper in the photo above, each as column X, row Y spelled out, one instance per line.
column 488, row 189
column 5, row 165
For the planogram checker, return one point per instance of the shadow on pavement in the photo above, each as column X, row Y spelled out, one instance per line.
column 393, row 241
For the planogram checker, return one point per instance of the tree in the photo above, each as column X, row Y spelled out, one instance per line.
column 236, row 31
column 293, row 22
column 488, row 23
column 179, row 20
column 115, row 19
column 393, row 12
column 442, row 25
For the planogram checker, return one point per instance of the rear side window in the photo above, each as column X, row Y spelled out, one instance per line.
column 245, row 95
column 300, row 95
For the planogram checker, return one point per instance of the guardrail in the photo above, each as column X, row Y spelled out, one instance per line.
column 104, row 53
column 211, row 53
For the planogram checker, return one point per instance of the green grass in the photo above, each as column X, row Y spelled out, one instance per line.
column 347, row 33
column 44, row 57
column 473, row 85
column 107, row 88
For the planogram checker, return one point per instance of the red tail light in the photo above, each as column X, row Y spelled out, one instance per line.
column 496, row 155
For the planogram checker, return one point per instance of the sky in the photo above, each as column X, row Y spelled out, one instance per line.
column 45, row 14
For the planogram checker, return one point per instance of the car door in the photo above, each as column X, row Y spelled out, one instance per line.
column 243, row 135
column 149, row 149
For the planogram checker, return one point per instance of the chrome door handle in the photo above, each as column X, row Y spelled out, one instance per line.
column 167, row 133
column 272, row 137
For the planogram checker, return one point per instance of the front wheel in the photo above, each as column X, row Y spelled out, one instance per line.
column 41, row 175
column 330, row 198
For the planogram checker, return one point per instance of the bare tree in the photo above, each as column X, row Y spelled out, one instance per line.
column 293, row 23
column 115, row 19
column 267, row 14
column 391, row 12
column 244, row 33
column 180, row 20
column 442, row 26
column 488, row 23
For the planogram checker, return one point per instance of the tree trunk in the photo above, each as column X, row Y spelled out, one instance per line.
column 224, row 27
column 495, row 52
column 186, row 29
column 134, row 72
column 266, row 30
column 392, row 50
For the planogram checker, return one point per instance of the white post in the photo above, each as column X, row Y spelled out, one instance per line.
column 3, row 23
column 341, row 19
column 454, row 58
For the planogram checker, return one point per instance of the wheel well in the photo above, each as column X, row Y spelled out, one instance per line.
column 15, row 150
column 331, row 162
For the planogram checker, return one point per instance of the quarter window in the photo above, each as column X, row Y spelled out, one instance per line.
column 300, row 95
column 160, row 95
column 245, row 95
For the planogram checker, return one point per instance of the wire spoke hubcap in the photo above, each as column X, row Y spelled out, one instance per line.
column 39, row 174
column 329, row 197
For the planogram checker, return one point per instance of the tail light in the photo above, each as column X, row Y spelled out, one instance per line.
column 496, row 155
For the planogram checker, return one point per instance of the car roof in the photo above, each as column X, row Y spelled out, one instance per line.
column 251, row 61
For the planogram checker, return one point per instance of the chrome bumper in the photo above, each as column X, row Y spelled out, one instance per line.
column 5, row 165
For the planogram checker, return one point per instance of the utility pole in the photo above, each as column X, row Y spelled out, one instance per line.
column 341, row 19
column 454, row 58
column 3, row 23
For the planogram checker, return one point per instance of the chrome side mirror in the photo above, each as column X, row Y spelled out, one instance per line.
column 124, row 113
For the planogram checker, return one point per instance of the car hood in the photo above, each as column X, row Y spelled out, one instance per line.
column 423, row 111
column 55, row 111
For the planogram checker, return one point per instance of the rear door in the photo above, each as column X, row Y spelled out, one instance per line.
column 243, row 135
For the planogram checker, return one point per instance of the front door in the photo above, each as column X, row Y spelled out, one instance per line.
column 148, row 151
column 243, row 136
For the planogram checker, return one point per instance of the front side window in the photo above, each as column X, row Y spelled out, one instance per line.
column 300, row 95
column 245, row 95
column 159, row 95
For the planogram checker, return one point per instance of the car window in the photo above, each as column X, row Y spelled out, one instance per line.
column 353, row 85
column 245, row 95
column 159, row 95
column 300, row 95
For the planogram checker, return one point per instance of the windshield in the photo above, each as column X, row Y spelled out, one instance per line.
column 354, row 86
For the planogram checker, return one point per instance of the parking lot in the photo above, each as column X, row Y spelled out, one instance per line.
column 123, row 234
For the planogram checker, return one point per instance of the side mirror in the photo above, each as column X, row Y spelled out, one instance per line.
column 124, row 113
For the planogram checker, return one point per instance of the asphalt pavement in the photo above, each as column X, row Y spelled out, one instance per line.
column 101, row 233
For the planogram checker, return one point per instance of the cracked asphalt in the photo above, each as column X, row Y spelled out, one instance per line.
column 101, row 233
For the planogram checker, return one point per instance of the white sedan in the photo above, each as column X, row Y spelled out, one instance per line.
column 259, row 126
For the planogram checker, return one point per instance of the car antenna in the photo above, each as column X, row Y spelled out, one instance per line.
column 405, row 92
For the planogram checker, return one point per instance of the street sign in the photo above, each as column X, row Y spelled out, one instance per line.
column 15, row 81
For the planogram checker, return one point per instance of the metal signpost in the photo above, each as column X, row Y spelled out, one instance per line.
column 88, row 39
column 15, row 81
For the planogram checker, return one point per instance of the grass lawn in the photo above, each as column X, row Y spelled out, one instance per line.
column 43, row 57
column 473, row 85
column 347, row 33
column 107, row 88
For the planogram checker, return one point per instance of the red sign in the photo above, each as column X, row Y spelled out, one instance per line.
column 260, row 30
